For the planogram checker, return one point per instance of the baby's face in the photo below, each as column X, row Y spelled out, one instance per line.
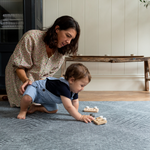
column 78, row 85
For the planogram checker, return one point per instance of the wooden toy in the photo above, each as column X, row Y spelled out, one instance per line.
column 100, row 120
column 88, row 109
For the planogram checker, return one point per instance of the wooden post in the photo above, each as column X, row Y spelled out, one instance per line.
column 146, row 75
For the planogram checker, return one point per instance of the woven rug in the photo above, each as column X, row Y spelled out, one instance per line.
column 128, row 128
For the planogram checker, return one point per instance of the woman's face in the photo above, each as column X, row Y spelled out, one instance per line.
column 65, row 36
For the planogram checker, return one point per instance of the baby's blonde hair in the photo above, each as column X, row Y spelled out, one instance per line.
column 77, row 71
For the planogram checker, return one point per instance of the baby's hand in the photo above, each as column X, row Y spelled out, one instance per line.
column 86, row 118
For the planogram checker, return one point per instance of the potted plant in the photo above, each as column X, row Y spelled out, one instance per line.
column 146, row 2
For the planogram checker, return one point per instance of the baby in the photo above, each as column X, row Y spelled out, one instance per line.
column 53, row 91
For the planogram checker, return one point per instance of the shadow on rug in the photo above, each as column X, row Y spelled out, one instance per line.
column 128, row 128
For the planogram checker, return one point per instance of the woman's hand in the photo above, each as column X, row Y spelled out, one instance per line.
column 86, row 118
column 25, row 84
column 23, row 77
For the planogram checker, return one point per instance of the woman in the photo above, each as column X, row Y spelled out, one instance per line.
column 40, row 54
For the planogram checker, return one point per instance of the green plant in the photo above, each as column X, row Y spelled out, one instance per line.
column 146, row 2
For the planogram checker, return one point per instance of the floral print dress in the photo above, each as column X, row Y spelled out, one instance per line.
column 30, row 54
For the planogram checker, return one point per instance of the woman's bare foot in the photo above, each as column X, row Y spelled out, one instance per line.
column 22, row 115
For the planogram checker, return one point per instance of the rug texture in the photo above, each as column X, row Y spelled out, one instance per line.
column 128, row 128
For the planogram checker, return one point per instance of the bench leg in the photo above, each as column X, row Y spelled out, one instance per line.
column 146, row 75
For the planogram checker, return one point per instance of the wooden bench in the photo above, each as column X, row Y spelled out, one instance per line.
column 113, row 59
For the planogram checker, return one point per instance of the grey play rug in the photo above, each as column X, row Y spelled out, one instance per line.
column 128, row 128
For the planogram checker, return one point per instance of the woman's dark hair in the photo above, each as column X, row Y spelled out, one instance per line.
column 77, row 71
column 64, row 23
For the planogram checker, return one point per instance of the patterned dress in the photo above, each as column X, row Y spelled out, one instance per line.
column 30, row 54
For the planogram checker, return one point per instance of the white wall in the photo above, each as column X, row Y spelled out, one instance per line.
column 114, row 27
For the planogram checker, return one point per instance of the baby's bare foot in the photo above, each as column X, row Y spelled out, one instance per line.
column 22, row 115
column 32, row 109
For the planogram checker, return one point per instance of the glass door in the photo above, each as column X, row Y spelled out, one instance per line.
column 11, row 21
column 11, row 30
column 16, row 17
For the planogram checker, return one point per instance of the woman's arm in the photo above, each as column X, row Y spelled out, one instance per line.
column 23, row 77
column 73, row 111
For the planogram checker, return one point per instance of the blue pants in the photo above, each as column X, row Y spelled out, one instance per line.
column 39, row 94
